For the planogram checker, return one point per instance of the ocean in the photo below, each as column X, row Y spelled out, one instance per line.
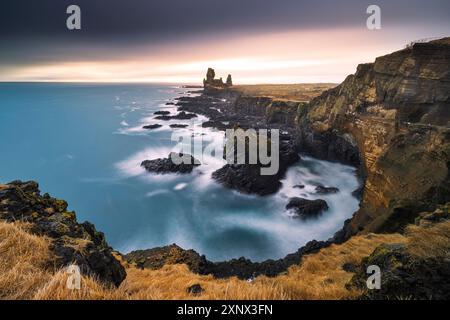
column 84, row 143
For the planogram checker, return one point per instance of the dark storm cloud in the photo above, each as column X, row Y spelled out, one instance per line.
column 111, row 18
column 36, row 29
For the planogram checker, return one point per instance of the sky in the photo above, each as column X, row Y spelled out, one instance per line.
column 175, row 41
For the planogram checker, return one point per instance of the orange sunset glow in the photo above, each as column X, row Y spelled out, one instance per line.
column 280, row 57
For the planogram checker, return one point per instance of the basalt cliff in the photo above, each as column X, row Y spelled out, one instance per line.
column 392, row 119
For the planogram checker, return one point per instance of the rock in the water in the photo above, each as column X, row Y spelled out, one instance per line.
column 72, row 242
column 299, row 186
column 212, row 82
column 326, row 190
column 247, row 178
column 177, row 125
column 184, row 116
column 168, row 165
column 162, row 112
column 215, row 124
column 152, row 126
column 305, row 208
column 180, row 116
column 229, row 81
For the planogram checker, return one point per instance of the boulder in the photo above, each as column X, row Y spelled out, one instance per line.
column 326, row 190
column 247, row 178
column 305, row 208
column 157, row 258
column 404, row 276
column 162, row 112
column 180, row 116
column 167, row 165
column 195, row 289
column 152, row 126
column 177, row 125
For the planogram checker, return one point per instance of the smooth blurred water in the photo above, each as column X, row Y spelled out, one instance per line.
column 84, row 143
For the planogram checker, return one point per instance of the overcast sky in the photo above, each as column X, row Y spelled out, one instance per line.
column 175, row 40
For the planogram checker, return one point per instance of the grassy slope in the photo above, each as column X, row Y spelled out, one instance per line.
column 26, row 272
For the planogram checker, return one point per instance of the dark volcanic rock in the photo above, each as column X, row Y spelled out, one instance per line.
column 163, row 113
column 305, row 208
column 184, row 116
column 177, row 125
column 404, row 275
column 180, row 116
column 71, row 242
column 156, row 258
column 211, row 83
column 299, row 186
column 195, row 289
column 167, row 165
column 247, row 178
column 349, row 267
column 326, row 190
column 242, row 268
column 152, row 126
column 215, row 124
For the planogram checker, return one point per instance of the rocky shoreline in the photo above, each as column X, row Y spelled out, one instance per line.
column 227, row 108
column 384, row 120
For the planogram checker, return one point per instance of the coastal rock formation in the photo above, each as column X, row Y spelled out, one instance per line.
column 326, row 190
column 170, row 165
column 180, row 116
column 242, row 268
column 229, row 82
column 212, row 83
column 161, row 113
column 405, row 276
column 305, row 208
column 391, row 118
column 72, row 242
column 247, row 178
column 152, row 126
column 156, row 258
column 177, row 125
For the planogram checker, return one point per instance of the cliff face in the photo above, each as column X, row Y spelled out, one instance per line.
column 392, row 118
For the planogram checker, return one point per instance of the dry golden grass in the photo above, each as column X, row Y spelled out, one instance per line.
column 294, row 92
column 23, row 260
column 320, row 276
column 430, row 242
column 24, row 275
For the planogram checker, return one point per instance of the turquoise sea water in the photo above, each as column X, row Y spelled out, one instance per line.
column 84, row 143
